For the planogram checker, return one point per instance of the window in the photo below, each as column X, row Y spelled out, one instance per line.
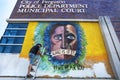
column 12, row 40
column 15, row 32
column 17, row 25
column 10, row 48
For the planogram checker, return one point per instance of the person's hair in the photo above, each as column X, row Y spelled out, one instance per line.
column 39, row 44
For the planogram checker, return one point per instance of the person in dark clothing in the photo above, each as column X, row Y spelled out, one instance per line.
column 32, row 53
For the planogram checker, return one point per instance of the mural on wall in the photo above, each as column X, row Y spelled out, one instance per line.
column 63, row 42
column 70, row 47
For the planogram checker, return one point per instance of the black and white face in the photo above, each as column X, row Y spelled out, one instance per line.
column 63, row 42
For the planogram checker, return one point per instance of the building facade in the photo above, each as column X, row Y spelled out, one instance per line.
column 79, row 38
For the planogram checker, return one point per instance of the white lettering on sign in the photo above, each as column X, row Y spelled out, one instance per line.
column 63, row 51
column 45, row 6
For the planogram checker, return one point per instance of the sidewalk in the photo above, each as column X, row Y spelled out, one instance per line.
column 21, row 78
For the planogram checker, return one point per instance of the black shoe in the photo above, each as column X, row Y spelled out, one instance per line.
column 29, row 76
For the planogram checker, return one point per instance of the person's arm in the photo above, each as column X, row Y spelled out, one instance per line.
column 39, row 53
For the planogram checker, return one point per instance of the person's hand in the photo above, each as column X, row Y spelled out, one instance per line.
column 41, row 55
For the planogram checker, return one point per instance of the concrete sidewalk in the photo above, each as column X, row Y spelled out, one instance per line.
column 22, row 78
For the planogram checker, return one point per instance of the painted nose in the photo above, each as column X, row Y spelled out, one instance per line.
column 63, row 42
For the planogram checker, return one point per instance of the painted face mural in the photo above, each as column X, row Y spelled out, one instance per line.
column 62, row 40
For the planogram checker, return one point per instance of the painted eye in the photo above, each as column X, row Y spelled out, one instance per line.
column 71, row 37
column 58, row 37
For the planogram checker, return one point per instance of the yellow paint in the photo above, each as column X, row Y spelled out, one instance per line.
column 94, row 38
column 29, row 39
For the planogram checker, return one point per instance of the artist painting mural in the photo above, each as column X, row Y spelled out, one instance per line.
column 74, row 49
